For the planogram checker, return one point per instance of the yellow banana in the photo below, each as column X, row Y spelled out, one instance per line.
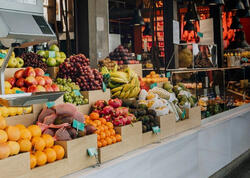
column 114, row 90
column 128, row 93
column 126, row 87
column 122, row 94
column 121, row 75
column 118, row 80
column 117, row 93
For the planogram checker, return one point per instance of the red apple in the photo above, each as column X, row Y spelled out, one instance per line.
column 12, row 81
column 24, row 89
column 41, row 88
column 29, row 72
column 32, row 89
column 48, row 80
column 20, row 82
column 19, row 74
column 40, row 80
column 48, row 88
column 30, row 81
column 39, row 72
column 55, row 87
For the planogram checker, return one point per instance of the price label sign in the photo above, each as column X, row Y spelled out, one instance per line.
column 19, row 91
column 217, row 90
column 92, row 152
column 77, row 92
column 50, row 104
column 52, row 54
column 153, row 85
column 156, row 129
column 183, row 115
column 200, row 34
column 2, row 55
column 168, row 74
column 46, row 74
column 78, row 125
column 104, row 88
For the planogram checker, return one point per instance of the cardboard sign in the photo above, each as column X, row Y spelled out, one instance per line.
column 78, row 125
column 50, row 104
column 92, row 152
column 156, row 129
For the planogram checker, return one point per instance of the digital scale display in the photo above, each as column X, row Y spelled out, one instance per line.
column 33, row 2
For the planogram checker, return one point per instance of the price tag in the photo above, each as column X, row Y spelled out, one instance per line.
column 244, row 59
column 50, row 104
column 46, row 74
column 78, row 125
column 52, row 54
column 217, row 90
column 205, row 92
column 92, row 152
column 19, row 91
column 153, row 85
column 2, row 55
column 104, row 88
column 200, row 34
column 156, row 129
column 195, row 49
column 168, row 74
column 77, row 92
column 183, row 115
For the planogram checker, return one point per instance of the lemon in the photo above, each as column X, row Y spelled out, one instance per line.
column 19, row 110
column 8, row 91
column 12, row 111
column 14, row 89
column 27, row 110
column 7, row 84
column 4, row 112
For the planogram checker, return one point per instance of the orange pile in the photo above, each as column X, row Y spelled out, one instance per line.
column 105, row 130
column 15, row 139
column 154, row 78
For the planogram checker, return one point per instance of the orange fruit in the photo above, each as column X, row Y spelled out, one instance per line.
column 14, row 147
column 118, row 138
column 102, row 135
column 25, row 134
column 35, row 130
column 4, row 150
column 34, row 139
column 113, row 139
column 20, row 126
column 94, row 116
column 98, row 131
column 32, row 161
column 2, row 123
column 13, row 133
column 110, row 125
column 48, row 140
column 105, row 127
column 25, row 145
column 98, row 137
column 94, row 124
column 99, row 144
column 104, row 142
column 98, row 123
column 109, row 140
column 51, row 154
column 103, row 120
column 3, row 136
column 101, row 128
column 59, row 151
column 41, row 158
column 112, row 132
column 107, row 133
column 39, row 144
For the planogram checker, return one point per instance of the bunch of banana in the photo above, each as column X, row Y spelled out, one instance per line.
column 125, row 86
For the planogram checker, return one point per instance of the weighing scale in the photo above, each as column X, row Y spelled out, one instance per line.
column 23, row 24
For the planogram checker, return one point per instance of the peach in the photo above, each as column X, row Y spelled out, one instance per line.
column 40, row 80
column 12, row 81
column 19, row 74
column 32, row 89
column 29, row 72
column 48, row 80
column 48, row 88
column 41, row 88
column 55, row 87
column 39, row 72
column 30, row 81
column 20, row 82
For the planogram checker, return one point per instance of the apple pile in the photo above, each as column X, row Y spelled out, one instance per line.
column 78, row 70
column 33, row 60
column 113, row 112
column 32, row 80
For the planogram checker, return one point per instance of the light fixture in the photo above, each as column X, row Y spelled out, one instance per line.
column 192, row 12
column 138, row 19
column 147, row 31
column 236, row 23
column 189, row 26
column 216, row 2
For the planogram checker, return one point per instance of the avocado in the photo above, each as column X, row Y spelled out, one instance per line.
column 152, row 112
column 142, row 106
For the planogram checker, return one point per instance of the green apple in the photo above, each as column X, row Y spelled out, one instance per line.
column 20, row 62
column 41, row 53
column 54, row 48
column 57, row 54
column 51, row 62
column 59, row 60
column 46, row 54
column 63, row 55
column 43, row 59
column 12, row 62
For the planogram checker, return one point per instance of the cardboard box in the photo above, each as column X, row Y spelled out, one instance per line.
column 111, row 152
column 150, row 137
column 76, row 152
column 25, row 119
column 15, row 166
column 131, row 136
column 167, row 125
column 52, row 71
column 193, row 120
column 95, row 95
column 9, row 72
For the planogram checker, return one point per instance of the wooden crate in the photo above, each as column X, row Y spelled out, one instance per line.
column 131, row 136
column 150, row 137
column 9, row 72
column 167, row 125
column 95, row 95
column 111, row 152
column 25, row 119
column 15, row 166
column 76, row 152
column 193, row 120
column 52, row 71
